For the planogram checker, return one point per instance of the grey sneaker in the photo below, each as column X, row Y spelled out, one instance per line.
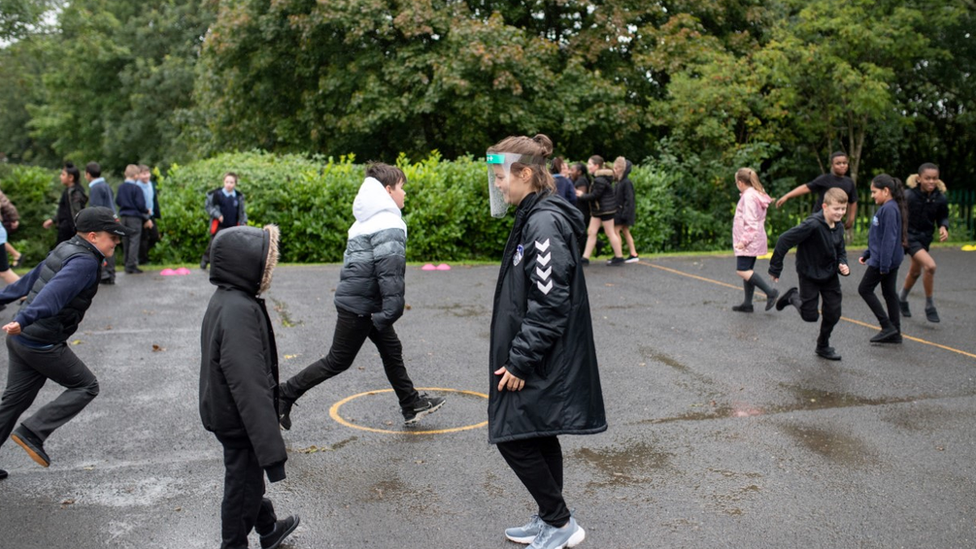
column 551, row 537
column 425, row 405
column 525, row 534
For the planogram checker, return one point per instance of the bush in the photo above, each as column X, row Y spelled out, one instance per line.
column 35, row 193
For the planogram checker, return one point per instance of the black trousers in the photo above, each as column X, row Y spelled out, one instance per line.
column 888, row 281
column 811, row 293
column 147, row 240
column 27, row 371
column 351, row 332
column 244, row 506
column 538, row 463
column 130, row 244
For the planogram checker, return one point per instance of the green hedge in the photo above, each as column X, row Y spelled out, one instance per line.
column 311, row 200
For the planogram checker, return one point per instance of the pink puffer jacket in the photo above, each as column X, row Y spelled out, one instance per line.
column 748, row 227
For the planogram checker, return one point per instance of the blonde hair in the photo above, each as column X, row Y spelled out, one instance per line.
column 749, row 177
column 835, row 196
column 540, row 147
column 131, row 171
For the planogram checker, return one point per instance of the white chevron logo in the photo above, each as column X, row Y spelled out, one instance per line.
column 543, row 259
column 544, row 289
column 544, row 275
column 542, row 246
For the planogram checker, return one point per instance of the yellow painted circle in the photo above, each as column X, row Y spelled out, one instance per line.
column 334, row 413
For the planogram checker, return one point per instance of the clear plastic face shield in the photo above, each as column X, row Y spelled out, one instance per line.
column 500, row 177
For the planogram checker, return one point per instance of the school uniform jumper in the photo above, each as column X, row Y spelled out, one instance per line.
column 133, row 213
column 883, row 257
column 239, row 382
column 541, row 332
column 59, row 291
column 820, row 252
column 231, row 208
column 100, row 194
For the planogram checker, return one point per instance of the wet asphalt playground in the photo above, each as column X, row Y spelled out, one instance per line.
column 725, row 429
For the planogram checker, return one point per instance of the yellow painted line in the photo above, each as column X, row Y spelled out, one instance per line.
column 334, row 413
column 851, row 320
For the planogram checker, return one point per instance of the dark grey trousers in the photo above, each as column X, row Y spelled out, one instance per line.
column 131, row 243
column 27, row 371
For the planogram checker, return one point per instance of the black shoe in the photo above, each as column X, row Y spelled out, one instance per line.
column 3, row 474
column 887, row 335
column 585, row 260
column 771, row 299
column 281, row 531
column 616, row 261
column 633, row 259
column 905, row 311
column 284, row 412
column 134, row 270
column 29, row 442
column 931, row 315
column 203, row 264
column 786, row 299
column 743, row 308
column 827, row 352
column 599, row 248
column 425, row 405
column 107, row 281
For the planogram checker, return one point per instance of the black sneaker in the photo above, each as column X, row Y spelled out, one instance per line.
column 771, row 299
column 743, row 308
column 3, row 474
column 284, row 412
column 786, row 299
column 281, row 531
column 425, row 405
column 633, row 259
column 827, row 352
column 203, row 264
column 585, row 260
column 33, row 445
column 887, row 335
column 931, row 314
column 616, row 261
column 134, row 270
column 905, row 311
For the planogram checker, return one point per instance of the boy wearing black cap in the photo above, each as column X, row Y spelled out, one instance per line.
column 59, row 291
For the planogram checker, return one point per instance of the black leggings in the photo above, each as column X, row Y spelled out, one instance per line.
column 872, row 277
column 538, row 463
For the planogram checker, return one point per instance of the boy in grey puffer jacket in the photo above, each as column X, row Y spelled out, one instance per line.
column 369, row 298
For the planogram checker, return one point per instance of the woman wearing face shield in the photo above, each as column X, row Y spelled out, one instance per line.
column 543, row 367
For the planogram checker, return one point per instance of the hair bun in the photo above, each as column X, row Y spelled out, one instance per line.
column 544, row 142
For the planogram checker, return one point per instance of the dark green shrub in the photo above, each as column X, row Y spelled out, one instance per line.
column 35, row 193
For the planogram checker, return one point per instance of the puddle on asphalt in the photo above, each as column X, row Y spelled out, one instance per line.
column 462, row 311
column 651, row 354
column 624, row 466
column 838, row 447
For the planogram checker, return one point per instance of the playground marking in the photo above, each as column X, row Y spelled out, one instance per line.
column 334, row 413
column 851, row 320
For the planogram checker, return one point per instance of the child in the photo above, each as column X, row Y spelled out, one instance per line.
column 58, row 291
column 837, row 178
column 239, row 385
column 820, row 255
column 626, row 206
column 928, row 208
column 101, row 195
column 603, row 208
column 225, row 208
column 887, row 239
column 564, row 186
column 73, row 200
column 749, row 237
column 150, row 235
column 544, row 376
column 369, row 298
column 135, row 214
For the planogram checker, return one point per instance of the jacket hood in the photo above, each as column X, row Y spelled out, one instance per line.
column 244, row 258
column 605, row 172
column 763, row 198
column 566, row 210
column 372, row 199
column 912, row 182
column 627, row 167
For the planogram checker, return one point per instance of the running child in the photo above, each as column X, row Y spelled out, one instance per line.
column 820, row 257
column 749, row 237
column 837, row 178
column 887, row 240
column 928, row 209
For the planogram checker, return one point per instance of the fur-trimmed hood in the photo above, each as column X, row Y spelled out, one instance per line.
column 605, row 172
column 912, row 182
column 244, row 258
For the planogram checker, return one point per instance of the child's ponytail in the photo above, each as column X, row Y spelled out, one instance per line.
column 751, row 178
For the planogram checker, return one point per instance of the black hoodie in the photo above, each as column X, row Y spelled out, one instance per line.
column 541, row 329
column 820, row 250
column 626, row 205
column 239, row 362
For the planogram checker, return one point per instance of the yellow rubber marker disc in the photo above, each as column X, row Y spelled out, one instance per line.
column 334, row 413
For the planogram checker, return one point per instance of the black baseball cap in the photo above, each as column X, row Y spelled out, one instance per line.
column 100, row 218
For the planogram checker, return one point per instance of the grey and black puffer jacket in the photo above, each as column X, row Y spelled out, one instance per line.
column 541, row 329
column 371, row 281
column 601, row 196
column 239, row 362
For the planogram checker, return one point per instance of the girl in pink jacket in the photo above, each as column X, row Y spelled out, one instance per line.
column 749, row 237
